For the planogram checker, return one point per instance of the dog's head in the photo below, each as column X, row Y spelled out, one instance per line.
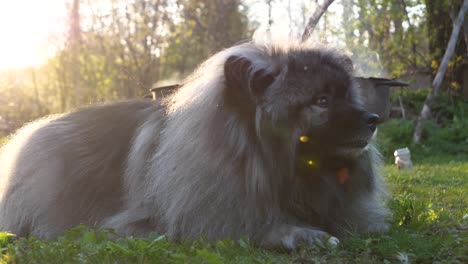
column 304, row 98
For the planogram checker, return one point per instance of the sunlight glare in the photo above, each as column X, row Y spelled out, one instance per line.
column 25, row 29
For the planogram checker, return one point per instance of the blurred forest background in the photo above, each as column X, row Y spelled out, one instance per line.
column 118, row 49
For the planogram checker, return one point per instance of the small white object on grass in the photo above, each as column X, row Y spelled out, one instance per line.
column 403, row 158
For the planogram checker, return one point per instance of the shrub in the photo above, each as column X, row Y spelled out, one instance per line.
column 394, row 134
column 445, row 133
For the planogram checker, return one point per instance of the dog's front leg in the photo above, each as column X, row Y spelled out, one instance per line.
column 290, row 237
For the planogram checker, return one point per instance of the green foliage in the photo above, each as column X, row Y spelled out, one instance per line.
column 413, row 100
column 445, row 134
column 393, row 135
column 450, row 140
column 440, row 20
column 377, row 22
column 206, row 28
column 85, row 245
column 121, row 54
column 444, row 108
column 411, row 213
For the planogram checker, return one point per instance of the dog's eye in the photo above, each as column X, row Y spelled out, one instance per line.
column 322, row 101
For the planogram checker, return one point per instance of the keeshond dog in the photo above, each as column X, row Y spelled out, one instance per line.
column 264, row 141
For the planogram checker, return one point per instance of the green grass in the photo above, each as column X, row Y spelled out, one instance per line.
column 429, row 203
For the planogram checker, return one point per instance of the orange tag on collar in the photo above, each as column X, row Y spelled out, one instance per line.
column 342, row 175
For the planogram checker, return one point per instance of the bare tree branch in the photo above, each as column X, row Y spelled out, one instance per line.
column 465, row 33
column 314, row 19
column 453, row 17
column 426, row 111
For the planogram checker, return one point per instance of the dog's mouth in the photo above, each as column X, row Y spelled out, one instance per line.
column 355, row 144
column 352, row 148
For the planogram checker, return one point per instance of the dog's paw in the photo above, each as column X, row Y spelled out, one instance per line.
column 301, row 235
column 333, row 241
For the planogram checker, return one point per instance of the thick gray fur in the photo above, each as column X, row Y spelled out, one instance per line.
column 189, row 167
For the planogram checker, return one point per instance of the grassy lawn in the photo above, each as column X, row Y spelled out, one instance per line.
column 429, row 203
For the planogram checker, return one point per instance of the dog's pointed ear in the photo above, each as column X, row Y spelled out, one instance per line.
column 243, row 80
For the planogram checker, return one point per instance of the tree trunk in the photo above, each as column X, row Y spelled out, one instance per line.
column 348, row 22
column 36, row 92
column 314, row 19
column 465, row 33
column 74, row 43
column 464, row 28
column 426, row 111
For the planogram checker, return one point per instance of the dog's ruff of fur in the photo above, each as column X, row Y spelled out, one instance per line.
column 188, row 167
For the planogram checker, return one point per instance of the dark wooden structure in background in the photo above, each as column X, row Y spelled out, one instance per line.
column 159, row 92
column 376, row 94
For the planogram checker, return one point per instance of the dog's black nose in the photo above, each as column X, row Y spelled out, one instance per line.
column 372, row 120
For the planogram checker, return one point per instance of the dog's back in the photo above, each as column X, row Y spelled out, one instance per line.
column 63, row 171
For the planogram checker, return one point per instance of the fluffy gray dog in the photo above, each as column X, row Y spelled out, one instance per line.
column 268, row 142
